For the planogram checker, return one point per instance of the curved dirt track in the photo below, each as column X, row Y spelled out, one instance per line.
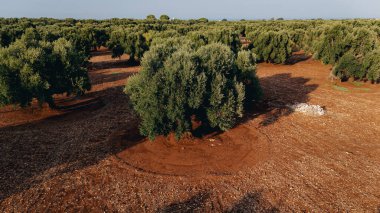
column 89, row 157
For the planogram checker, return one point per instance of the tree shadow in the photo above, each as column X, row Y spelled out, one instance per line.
column 194, row 204
column 35, row 152
column 101, row 52
column 205, row 202
column 297, row 57
column 110, row 64
column 280, row 91
column 253, row 202
column 101, row 78
column 85, row 131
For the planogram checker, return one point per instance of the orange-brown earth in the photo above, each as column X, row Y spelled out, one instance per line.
column 88, row 156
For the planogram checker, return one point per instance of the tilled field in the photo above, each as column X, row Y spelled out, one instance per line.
column 89, row 157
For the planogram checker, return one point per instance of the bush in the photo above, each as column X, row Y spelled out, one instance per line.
column 364, row 41
column 297, row 37
column 274, row 47
column 151, row 17
column 348, row 66
column 178, row 82
column 30, row 68
column 246, row 62
column 126, row 41
column 371, row 66
column 164, row 18
column 335, row 42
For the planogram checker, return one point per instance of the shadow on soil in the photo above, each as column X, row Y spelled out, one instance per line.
column 297, row 57
column 36, row 152
column 118, row 63
column 280, row 90
column 101, row 78
column 205, row 202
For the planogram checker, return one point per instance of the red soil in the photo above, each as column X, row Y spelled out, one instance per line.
column 90, row 157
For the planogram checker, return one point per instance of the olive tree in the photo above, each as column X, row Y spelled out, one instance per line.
column 348, row 66
column 335, row 42
column 31, row 68
column 129, row 42
column 371, row 66
column 274, row 47
column 151, row 17
column 178, row 83
column 164, row 18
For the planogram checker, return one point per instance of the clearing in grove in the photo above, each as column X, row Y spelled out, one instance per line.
column 89, row 156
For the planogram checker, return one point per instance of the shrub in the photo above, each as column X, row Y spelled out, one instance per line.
column 297, row 37
column 151, row 17
column 371, row 66
column 363, row 42
column 274, row 47
column 126, row 41
column 203, row 20
column 246, row 62
column 348, row 66
column 334, row 43
column 164, row 18
column 178, row 82
column 30, row 68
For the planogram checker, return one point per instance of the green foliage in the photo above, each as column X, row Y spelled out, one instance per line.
column 246, row 62
column 340, row 88
column 371, row 66
column 178, row 82
column 364, row 41
column 203, row 20
column 129, row 42
column 297, row 37
column 227, row 37
column 5, row 39
column 334, row 44
column 30, row 68
column 348, row 66
column 274, row 47
column 164, row 18
column 151, row 17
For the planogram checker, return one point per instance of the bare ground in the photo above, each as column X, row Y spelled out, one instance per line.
column 88, row 156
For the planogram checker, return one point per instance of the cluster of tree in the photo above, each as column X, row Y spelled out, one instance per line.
column 162, row 17
column 274, row 47
column 127, row 41
column 351, row 50
column 228, row 37
column 179, row 82
column 33, row 68
column 352, row 46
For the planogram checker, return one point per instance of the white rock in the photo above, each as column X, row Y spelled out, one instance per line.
column 314, row 110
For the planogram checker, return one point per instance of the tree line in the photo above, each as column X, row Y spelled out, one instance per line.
column 189, row 67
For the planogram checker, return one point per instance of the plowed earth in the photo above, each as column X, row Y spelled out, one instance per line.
column 89, row 157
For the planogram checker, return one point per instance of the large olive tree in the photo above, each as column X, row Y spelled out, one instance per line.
column 178, row 83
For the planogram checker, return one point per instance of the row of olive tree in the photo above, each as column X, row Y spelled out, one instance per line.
column 352, row 51
column 352, row 47
column 32, row 68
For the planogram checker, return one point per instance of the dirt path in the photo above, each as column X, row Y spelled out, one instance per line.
column 89, row 157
